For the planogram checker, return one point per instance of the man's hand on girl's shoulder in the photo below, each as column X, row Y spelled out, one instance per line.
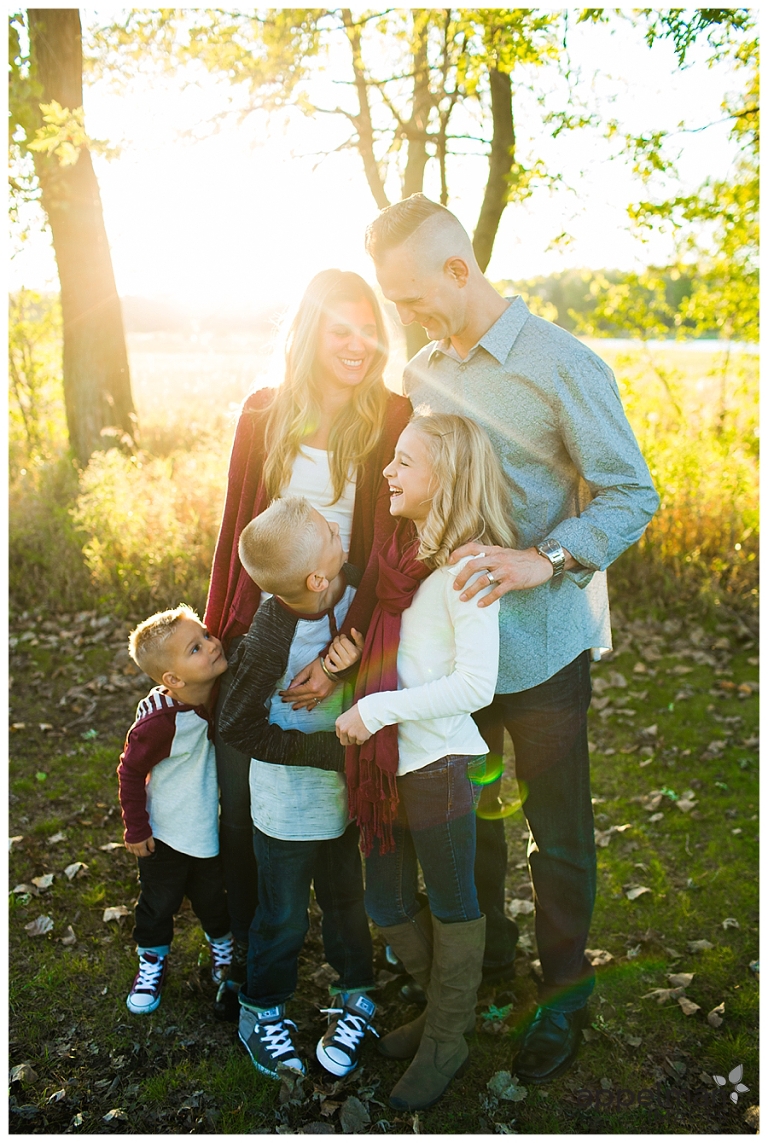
column 506, row 568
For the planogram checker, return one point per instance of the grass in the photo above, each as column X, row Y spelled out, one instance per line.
column 684, row 720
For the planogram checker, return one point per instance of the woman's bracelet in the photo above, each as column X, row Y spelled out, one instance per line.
column 329, row 674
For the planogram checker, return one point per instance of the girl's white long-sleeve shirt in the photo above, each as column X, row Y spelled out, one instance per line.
column 447, row 664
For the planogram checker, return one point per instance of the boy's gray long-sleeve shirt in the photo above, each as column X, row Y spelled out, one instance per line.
column 552, row 410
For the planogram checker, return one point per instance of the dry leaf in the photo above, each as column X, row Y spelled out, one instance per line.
column 353, row 1116
column 516, row 906
column 731, row 923
column 616, row 679
column 116, row 1113
column 55, row 838
column 111, row 845
column 598, row 957
column 323, row 976
column 656, row 817
column 23, row 1073
column 632, row 892
column 589, row 1035
column 502, row 1085
column 14, row 841
column 115, row 912
column 715, row 1017
column 699, row 946
column 634, row 1041
column 680, row 979
column 77, row 867
column 662, row 995
column 688, row 1006
column 40, row 926
column 752, row 1117
column 58, row 1095
column 69, row 937
column 24, row 888
column 639, row 669
column 685, row 804
column 43, row 882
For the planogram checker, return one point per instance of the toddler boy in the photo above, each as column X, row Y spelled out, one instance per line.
column 169, row 796
column 301, row 825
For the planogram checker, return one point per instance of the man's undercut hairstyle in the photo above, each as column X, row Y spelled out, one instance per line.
column 147, row 642
column 435, row 224
column 281, row 547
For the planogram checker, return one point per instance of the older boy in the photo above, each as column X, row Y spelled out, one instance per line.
column 169, row 796
column 301, row 826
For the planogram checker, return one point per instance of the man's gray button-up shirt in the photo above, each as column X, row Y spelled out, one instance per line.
column 552, row 410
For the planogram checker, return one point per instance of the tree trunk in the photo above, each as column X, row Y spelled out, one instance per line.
column 501, row 160
column 97, row 385
column 416, row 127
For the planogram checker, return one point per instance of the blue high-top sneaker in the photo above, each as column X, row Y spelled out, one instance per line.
column 339, row 1049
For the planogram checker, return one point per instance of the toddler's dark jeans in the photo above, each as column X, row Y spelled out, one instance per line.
column 166, row 877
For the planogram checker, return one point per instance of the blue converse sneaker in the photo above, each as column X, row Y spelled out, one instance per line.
column 266, row 1036
column 339, row 1049
column 148, row 982
column 222, row 951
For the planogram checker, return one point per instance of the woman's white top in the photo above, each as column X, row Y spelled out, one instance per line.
column 311, row 477
column 447, row 664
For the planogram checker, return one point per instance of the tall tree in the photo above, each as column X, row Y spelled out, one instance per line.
column 97, row 388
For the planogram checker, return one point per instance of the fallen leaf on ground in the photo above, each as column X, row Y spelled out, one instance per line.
column 616, row 679
column 597, row 957
column 589, row 1035
column 55, row 838
column 75, row 868
column 24, row 888
column 57, row 1095
column 111, row 845
column 603, row 837
column 323, row 976
column 23, row 1073
column 14, row 841
column 688, row 1006
column 662, row 995
column 116, row 1113
column 699, row 946
column 39, row 926
column 656, row 817
column 752, row 1117
column 45, row 726
column 69, row 937
column 115, row 912
column 634, row 1041
column 505, row 1086
column 353, row 1116
column 43, row 882
column 685, row 804
column 680, row 979
column 516, row 906
column 715, row 1017
column 632, row 892
column 731, row 923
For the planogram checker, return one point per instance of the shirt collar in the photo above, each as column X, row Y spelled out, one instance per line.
column 498, row 340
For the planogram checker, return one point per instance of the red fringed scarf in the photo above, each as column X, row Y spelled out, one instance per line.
column 372, row 767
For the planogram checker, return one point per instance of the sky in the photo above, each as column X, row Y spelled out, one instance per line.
column 247, row 215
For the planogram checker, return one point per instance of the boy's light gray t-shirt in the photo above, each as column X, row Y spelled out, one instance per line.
column 300, row 803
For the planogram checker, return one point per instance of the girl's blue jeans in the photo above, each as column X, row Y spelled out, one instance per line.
column 436, row 830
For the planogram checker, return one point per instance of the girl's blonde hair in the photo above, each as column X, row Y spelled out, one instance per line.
column 295, row 410
column 472, row 499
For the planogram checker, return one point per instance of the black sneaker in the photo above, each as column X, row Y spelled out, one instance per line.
column 226, row 1006
column 266, row 1036
column 339, row 1049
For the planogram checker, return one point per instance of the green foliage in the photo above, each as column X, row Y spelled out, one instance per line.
column 150, row 525
column 37, row 431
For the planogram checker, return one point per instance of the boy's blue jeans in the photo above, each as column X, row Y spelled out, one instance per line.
column 436, row 830
column 287, row 869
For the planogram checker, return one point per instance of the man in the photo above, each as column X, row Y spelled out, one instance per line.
column 582, row 494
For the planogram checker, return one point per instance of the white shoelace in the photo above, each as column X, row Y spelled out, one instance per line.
column 277, row 1037
column 350, row 1029
column 148, row 975
column 222, row 953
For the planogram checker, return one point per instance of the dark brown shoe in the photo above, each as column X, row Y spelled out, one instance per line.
column 550, row 1045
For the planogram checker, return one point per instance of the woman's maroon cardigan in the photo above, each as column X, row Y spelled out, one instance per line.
column 233, row 596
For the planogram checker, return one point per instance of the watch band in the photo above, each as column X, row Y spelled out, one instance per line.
column 552, row 550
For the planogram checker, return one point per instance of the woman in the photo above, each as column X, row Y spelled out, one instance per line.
column 325, row 433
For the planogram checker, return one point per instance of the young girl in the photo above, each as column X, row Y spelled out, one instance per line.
column 429, row 661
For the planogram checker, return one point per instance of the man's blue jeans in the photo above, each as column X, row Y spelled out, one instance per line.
column 548, row 726
column 435, row 829
column 287, row 869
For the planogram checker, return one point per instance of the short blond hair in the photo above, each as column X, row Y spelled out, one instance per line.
column 472, row 501
column 432, row 231
column 279, row 549
column 146, row 643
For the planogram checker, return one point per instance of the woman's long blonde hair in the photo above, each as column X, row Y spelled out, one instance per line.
column 472, row 498
column 295, row 411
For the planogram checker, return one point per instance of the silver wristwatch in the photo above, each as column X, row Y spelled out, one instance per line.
column 553, row 551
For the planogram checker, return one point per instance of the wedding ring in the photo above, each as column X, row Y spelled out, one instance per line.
column 491, row 577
